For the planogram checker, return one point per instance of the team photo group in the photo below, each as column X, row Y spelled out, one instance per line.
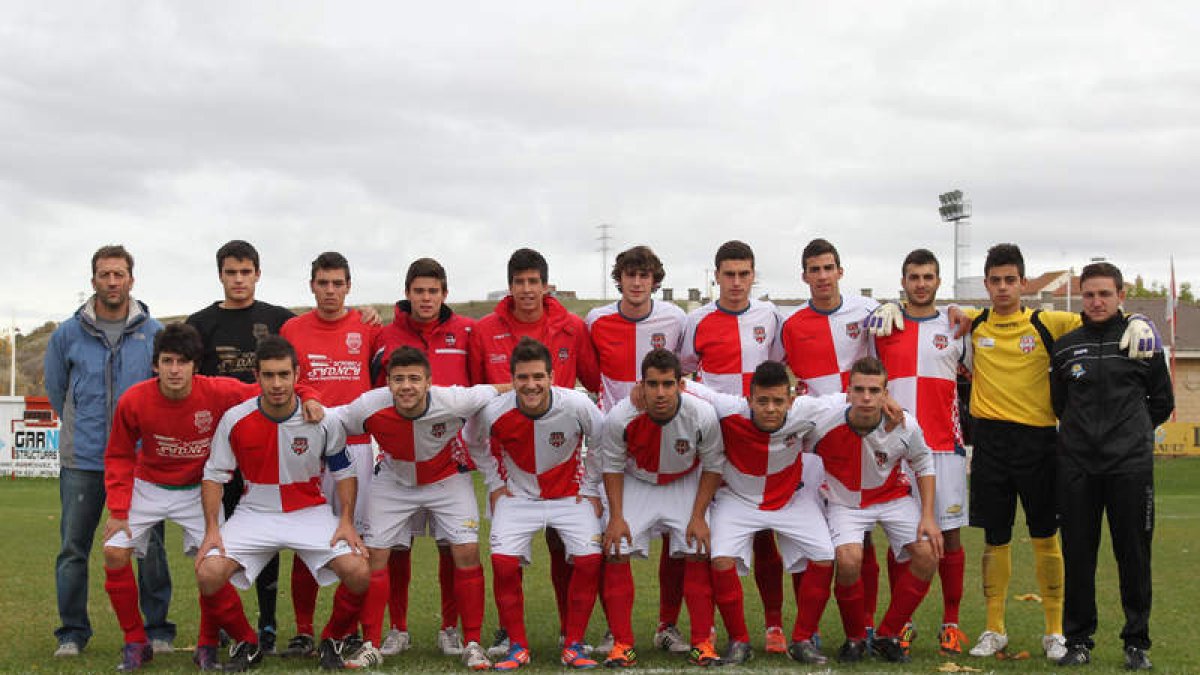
column 744, row 439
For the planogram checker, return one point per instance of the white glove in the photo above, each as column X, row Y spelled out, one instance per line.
column 1141, row 338
column 885, row 318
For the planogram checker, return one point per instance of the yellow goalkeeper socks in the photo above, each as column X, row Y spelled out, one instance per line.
column 1048, row 561
column 997, row 570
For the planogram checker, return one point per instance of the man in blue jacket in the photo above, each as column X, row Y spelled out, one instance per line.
column 92, row 358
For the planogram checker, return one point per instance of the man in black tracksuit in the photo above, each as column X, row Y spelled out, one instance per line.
column 1108, row 406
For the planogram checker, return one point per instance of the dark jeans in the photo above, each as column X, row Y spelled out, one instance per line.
column 1128, row 500
column 81, row 494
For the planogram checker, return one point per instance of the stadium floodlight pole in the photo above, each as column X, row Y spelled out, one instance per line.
column 604, row 238
column 956, row 210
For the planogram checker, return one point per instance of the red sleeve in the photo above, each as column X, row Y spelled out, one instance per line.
column 120, row 459
column 588, row 366
column 476, row 359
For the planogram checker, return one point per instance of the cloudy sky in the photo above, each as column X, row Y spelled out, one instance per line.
column 391, row 131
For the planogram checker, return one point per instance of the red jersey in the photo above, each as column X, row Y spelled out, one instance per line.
column 334, row 356
column 660, row 453
column 175, row 435
column 445, row 342
column 496, row 335
column 725, row 347
column 621, row 343
column 821, row 346
column 864, row 470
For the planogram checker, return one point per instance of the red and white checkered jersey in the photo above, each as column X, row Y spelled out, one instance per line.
column 820, row 346
column 422, row 450
column 660, row 453
column 542, row 457
column 865, row 470
column 725, row 347
column 765, row 469
column 922, row 363
column 280, row 460
column 621, row 344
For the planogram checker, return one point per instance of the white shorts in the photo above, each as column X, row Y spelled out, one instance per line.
column 799, row 528
column 252, row 538
column 448, row 505
column 423, row 525
column 150, row 505
column 899, row 518
column 517, row 519
column 654, row 510
column 363, row 457
column 950, row 496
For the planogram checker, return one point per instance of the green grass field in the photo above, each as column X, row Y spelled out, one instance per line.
column 28, row 615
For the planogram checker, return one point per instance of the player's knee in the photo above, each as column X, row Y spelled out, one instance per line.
column 379, row 557
column 116, row 557
column 922, row 563
column 723, row 563
column 952, row 540
column 465, row 555
column 355, row 573
column 997, row 536
column 210, row 577
column 617, row 559
column 849, row 564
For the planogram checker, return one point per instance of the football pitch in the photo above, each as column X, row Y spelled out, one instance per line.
column 28, row 615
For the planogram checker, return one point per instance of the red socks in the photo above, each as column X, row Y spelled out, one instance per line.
column 123, row 593
column 950, row 569
column 304, row 596
column 870, row 584
column 727, row 588
column 850, row 606
column 582, row 595
column 909, row 593
column 698, row 592
column 510, row 597
column 376, row 601
column 618, row 599
column 670, row 585
column 467, row 588
column 446, row 577
column 811, row 597
column 225, row 608
column 400, row 573
column 768, row 576
column 347, row 607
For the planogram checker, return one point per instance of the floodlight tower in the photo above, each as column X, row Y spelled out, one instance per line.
column 956, row 210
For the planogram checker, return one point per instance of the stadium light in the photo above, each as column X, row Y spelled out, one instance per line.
column 957, row 211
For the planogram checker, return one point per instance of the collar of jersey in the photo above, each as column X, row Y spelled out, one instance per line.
column 920, row 319
column 670, row 419
column 846, row 415
column 771, row 433
column 830, row 312
column 428, row 400
column 717, row 304
column 630, row 318
column 536, row 417
column 277, row 420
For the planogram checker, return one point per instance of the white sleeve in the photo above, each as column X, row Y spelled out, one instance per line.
column 711, row 448
column 466, row 401
column 775, row 351
column 688, row 358
column 724, row 404
column 592, row 422
column 221, row 462
column 477, row 435
column 613, row 449
column 916, row 452
column 353, row 415
column 338, row 460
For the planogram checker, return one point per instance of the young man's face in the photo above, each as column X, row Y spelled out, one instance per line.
column 329, row 288
column 527, row 288
column 238, row 278
column 409, row 386
column 1101, row 298
column 822, row 274
column 425, row 295
column 636, row 286
column 532, row 383
column 735, row 278
column 866, row 394
column 921, row 284
column 769, row 406
column 277, row 377
column 1004, row 285
column 662, row 393
column 174, row 374
column 112, row 281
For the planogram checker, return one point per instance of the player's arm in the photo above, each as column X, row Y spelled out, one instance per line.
column 370, row 315
column 587, row 364
column 1160, row 395
column 218, row 470
column 920, row 459
column 613, row 450
column 711, row 450
column 120, row 460
column 592, row 423
column 1058, row 382
column 476, row 434
column 56, row 372
column 340, row 464
column 476, row 358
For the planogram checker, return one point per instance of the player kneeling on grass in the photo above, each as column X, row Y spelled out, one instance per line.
column 416, row 425
column 537, row 431
column 865, row 484
column 661, row 468
column 281, row 458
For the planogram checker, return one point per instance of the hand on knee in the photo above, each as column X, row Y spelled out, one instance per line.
column 723, row 563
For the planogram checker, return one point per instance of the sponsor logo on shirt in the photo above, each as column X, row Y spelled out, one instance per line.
column 940, row 341
column 557, row 438
column 174, row 447
column 299, row 445
column 760, row 334
column 1027, row 343
column 203, row 421
column 438, row 430
column 564, row 354
column 354, row 342
column 881, row 458
column 682, row 446
column 497, row 358
column 1077, row 371
column 323, row 368
column 260, row 331
column 451, row 340
column 658, row 341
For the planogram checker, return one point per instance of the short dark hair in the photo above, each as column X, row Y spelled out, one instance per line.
column 112, row 251
column 330, row 260
column 408, row 356
column 869, row 365
column 524, row 259
column 179, row 338
column 273, row 347
column 733, row 250
column 920, row 256
column 818, row 247
column 637, row 259
column 424, row 267
column 529, row 349
column 662, row 359
column 238, row 250
column 1102, row 269
column 1004, row 254
column 770, row 374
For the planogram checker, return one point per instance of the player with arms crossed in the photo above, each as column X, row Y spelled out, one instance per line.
column 281, row 459
column 661, row 468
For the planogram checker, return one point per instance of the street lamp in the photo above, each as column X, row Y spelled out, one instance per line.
column 956, row 210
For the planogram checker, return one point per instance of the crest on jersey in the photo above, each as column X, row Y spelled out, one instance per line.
column 941, row 341
column 682, row 446
column 354, row 342
column 1027, row 343
column 853, row 330
column 451, row 340
column 801, row 388
column 1077, row 371
column 204, row 421
column 658, row 341
column 881, row 458
column 564, row 354
column 760, row 334
column 557, row 438
column 259, row 331
column 299, row 445
column 790, row 440
column 438, row 429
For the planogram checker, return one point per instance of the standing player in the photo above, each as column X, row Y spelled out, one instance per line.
column 425, row 322
column 922, row 361
column 724, row 342
column 417, row 427
column 537, row 431
column 282, row 459
column 865, row 485
column 333, row 346
column 623, row 333
column 661, row 468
